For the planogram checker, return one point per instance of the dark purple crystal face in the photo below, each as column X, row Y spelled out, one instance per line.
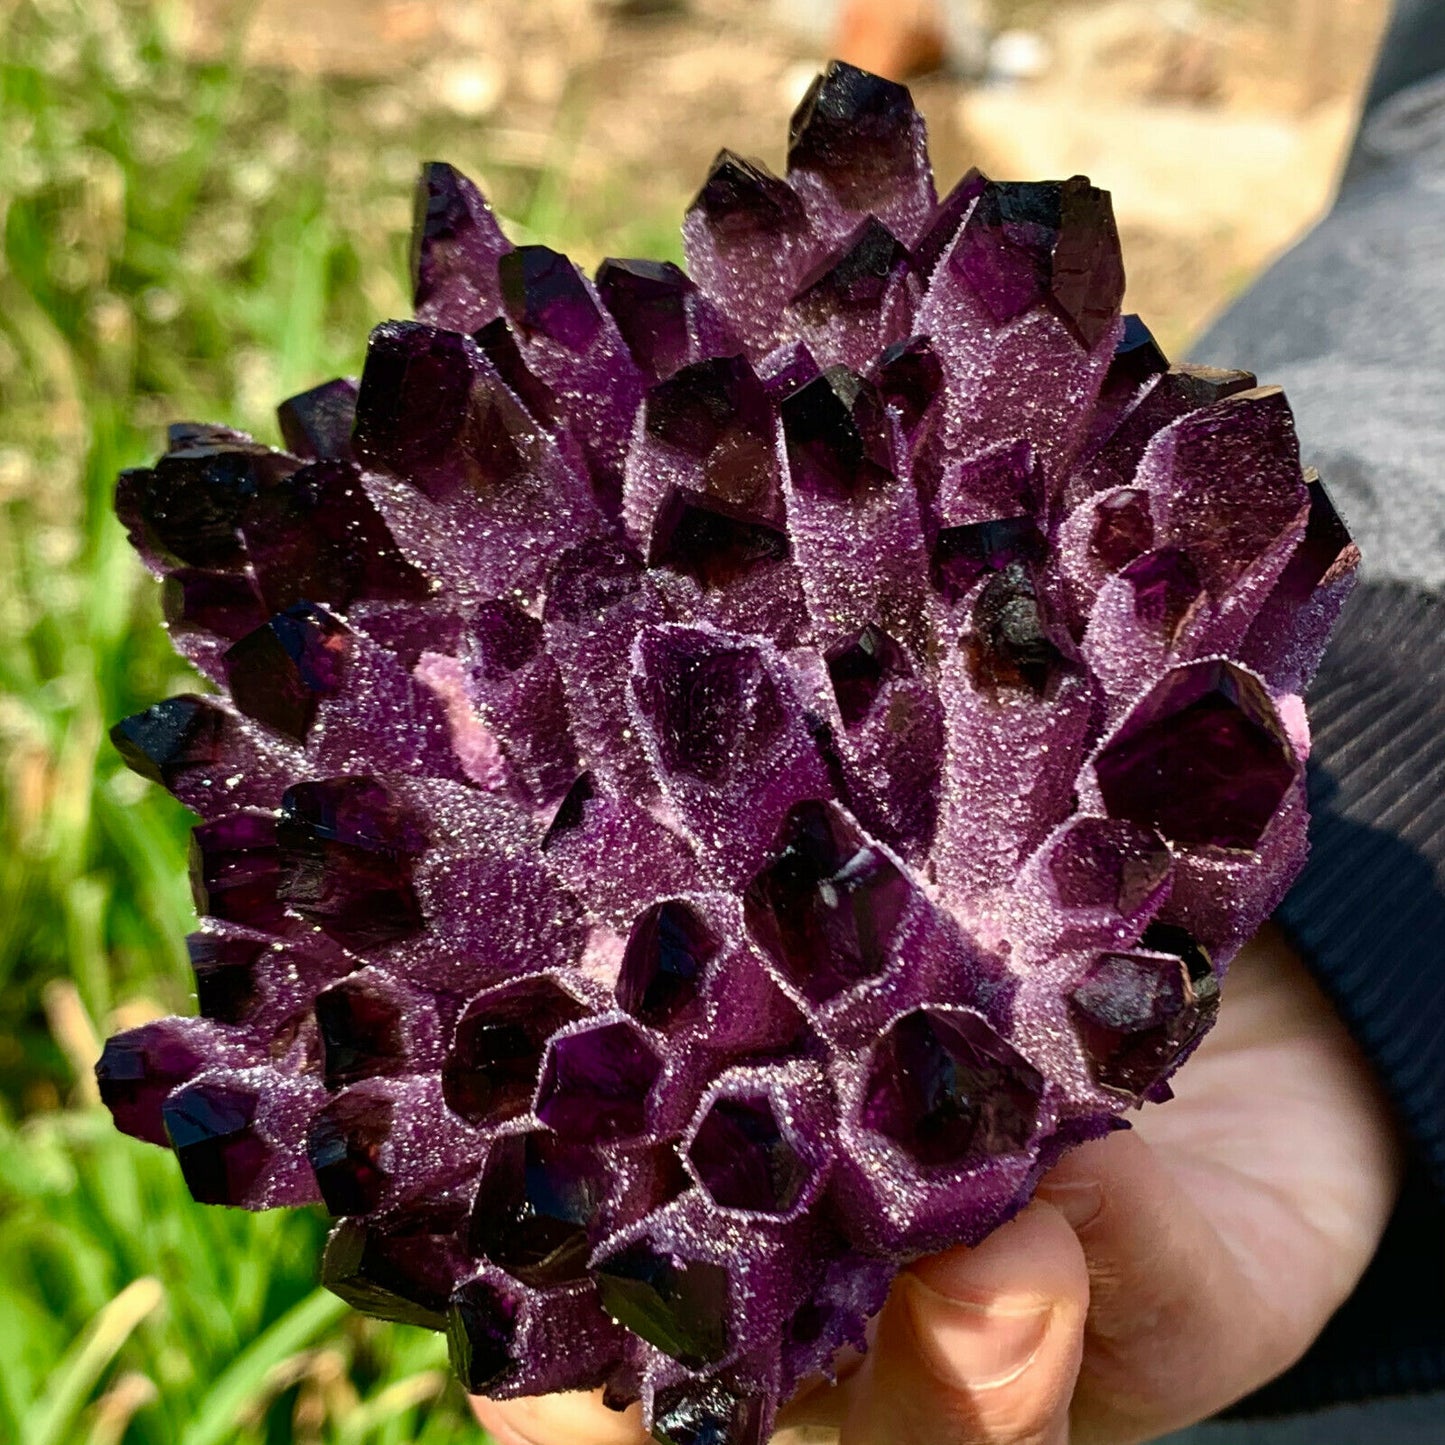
column 827, row 907
column 715, row 706
column 1123, row 528
column 855, row 130
column 908, row 377
column 1203, row 760
column 490, row 1072
column 189, row 508
column 1173, row 938
column 720, row 773
column 481, row 1324
column 949, row 1090
column 1054, row 242
column 545, row 295
column 744, row 1159
column 708, row 1415
column 589, row 581
column 1011, row 644
column 1137, row 1013
column 346, row 851
column 317, row 424
column 138, row 1069
column 537, row 1207
column 649, row 302
column 596, row 1082
column 680, row 1306
column 344, row 1146
column 402, row 1267
column 718, row 405
column 228, row 975
column 1325, row 553
column 170, row 737
column 856, row 279
column 455, row 248
column 360, row 1026
column 742, row 199
column 1108, row 863
column 703, row 541
column 962, row 555
column 225, row 604
column 858, row 667
column 662, row 970
column 317, row 537
column 1166, row 587
column 429, row 413
column 280, row 673
column 234, row 870
column 837, row 435
column 211, row 1128
column 1137, row 357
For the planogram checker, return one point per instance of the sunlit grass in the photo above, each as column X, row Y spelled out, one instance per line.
column 178, row 241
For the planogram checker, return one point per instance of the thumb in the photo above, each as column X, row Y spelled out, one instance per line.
column 979, row 1346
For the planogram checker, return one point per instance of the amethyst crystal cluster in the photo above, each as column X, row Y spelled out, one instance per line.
column 716, row 780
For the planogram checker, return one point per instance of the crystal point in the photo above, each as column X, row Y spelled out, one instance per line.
column 491, row 1070
column 545, row 295
column 744, row 1159
column 744, row 197
column 680, row 1306
column 280, row 673
column 946, row 1088
column 317, row 424
column 829, row 905
column 662, row 968
column 1028, row 243
column 596, row 1082
column 1204, row 759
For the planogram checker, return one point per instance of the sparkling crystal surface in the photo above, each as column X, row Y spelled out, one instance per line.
column 828, row 906
column 710, row 778
column 595, row 1084
column 949, row 1090
column 1204, row 759
column 680, row 1306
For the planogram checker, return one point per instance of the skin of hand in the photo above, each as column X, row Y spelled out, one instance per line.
column 1159, row 1275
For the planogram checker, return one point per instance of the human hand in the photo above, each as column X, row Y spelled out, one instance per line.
column 1160, row 1274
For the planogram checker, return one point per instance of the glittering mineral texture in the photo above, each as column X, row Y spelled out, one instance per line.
column 713, row 780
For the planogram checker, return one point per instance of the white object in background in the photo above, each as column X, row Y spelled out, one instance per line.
column 1018, row 55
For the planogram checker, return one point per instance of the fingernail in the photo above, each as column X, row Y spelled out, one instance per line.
column 1079, row 1202
column 976, row 1346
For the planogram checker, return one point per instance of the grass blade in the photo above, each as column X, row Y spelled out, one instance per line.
column 215, row 1416
column 73, row 1379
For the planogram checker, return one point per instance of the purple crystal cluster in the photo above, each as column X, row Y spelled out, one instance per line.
column 716, row 780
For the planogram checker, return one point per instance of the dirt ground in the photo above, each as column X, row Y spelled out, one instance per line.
column 1219, row 125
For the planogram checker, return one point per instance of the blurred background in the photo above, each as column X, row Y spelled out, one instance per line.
column 205, row 206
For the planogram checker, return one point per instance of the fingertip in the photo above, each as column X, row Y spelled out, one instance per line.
column 1035, row 1256
column 568, row 1419
column 979, row 1344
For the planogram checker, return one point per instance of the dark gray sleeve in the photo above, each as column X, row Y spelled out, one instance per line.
column 1352, row 324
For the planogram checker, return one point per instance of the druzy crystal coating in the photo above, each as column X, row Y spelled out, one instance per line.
column 716, row 778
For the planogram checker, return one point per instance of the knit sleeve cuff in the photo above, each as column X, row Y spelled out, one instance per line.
column 1368, row 913
column 1368, row 917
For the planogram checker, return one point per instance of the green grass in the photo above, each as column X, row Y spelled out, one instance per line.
column 197, row 241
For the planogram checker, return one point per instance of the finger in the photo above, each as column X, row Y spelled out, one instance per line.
column 979, row 1346
column 572, row 1419
column 1217, row 1252
column 1175, row 1329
